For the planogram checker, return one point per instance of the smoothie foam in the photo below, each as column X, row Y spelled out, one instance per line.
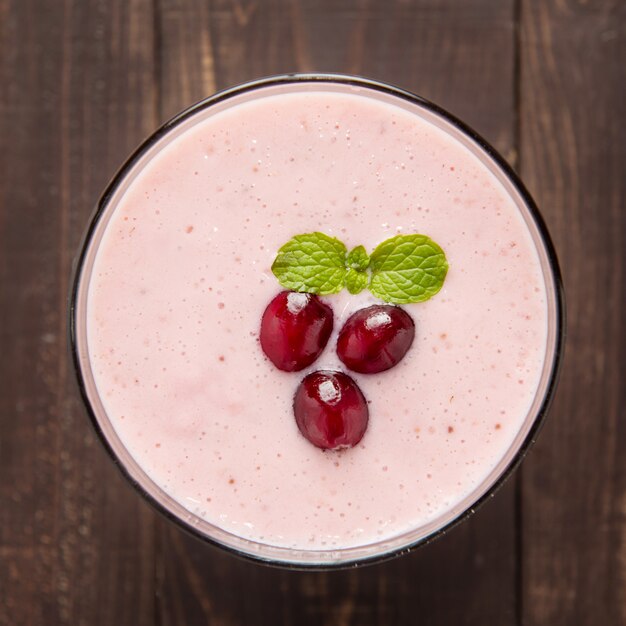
column 182, row 276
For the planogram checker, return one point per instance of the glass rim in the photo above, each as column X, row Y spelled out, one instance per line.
column 553, row 271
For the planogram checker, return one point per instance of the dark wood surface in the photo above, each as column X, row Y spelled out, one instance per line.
column 83, row 81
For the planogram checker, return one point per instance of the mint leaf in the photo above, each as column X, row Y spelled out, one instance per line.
column 312, row 263
column 356, row 281
column 358, row 259
column 407, row 268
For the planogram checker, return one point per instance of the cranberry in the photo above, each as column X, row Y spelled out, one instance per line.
column 375, row 339
column 330, row 409
column 295, row 329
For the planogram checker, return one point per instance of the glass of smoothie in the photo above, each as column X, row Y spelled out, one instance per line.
column 316, row 320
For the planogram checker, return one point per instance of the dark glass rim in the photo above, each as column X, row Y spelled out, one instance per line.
column 503, row 166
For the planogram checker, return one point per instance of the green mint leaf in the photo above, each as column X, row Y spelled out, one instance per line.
column 407, row 268
column 311, row 263
column 358, row 259
column 356, row 281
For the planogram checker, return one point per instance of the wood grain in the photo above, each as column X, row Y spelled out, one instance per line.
column 573, row 151
column 464, row 57
column 76, row 543
column 83, row 81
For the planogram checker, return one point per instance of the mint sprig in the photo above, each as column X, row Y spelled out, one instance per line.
column 401, row 270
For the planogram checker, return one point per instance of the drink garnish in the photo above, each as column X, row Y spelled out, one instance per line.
column 401, row 270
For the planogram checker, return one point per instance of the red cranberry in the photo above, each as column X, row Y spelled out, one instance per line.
column 375, row 339
column 295, row 329
column 330, row 409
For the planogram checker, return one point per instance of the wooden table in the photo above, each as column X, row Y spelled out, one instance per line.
column 83, row 81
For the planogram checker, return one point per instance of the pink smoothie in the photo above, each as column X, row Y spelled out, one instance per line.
column 182, row 277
